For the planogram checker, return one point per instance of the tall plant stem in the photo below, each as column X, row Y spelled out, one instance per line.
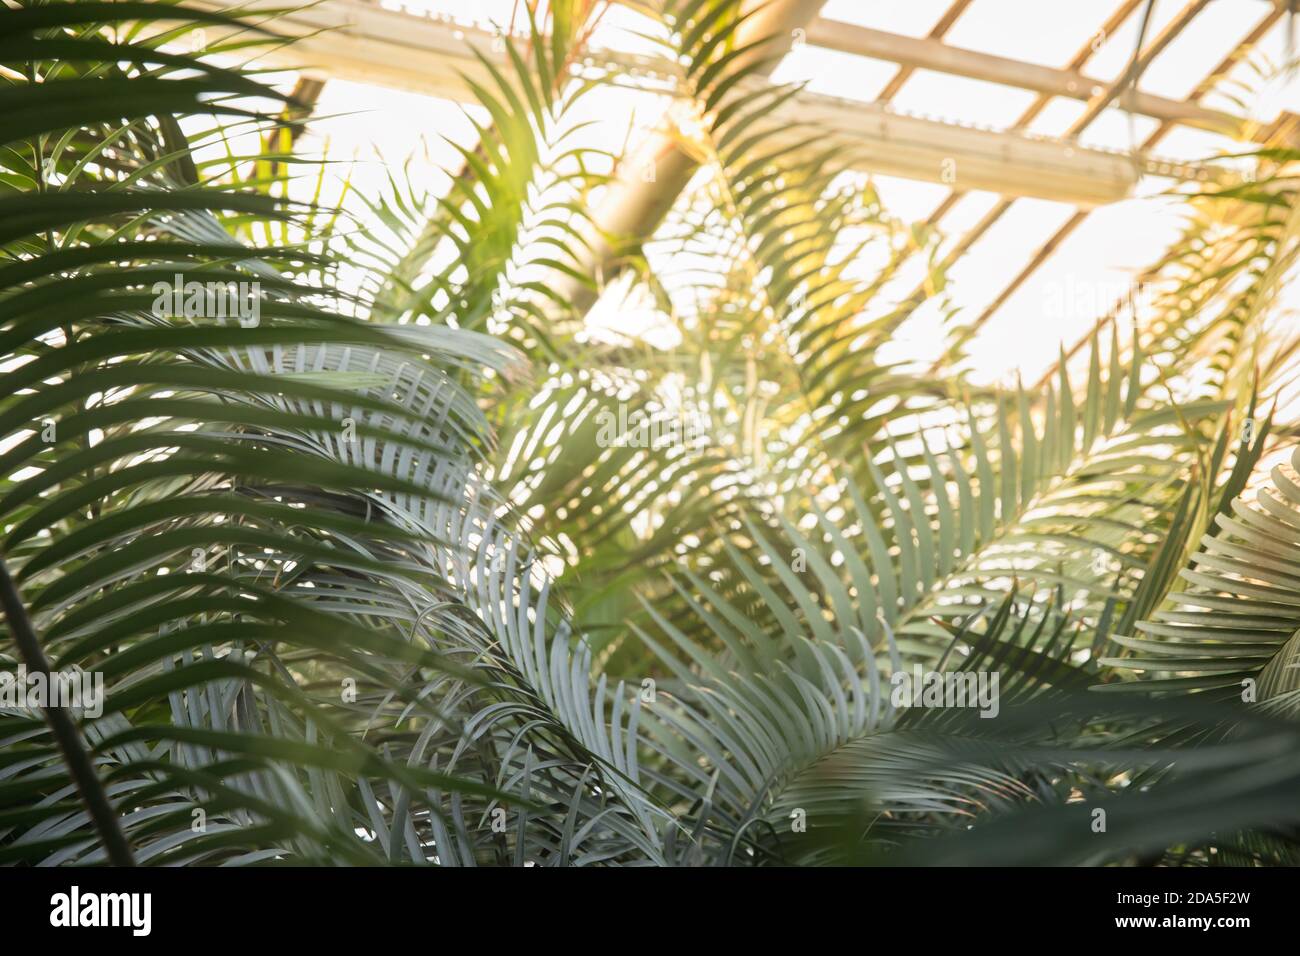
column 65, row 731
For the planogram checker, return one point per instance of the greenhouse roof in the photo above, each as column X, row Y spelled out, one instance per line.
column 1042, row 164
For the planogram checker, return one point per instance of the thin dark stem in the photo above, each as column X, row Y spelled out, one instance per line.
column 65, row 731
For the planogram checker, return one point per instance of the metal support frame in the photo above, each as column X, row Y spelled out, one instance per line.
column 363, row 41
column 1054, row 242
column 360, row 40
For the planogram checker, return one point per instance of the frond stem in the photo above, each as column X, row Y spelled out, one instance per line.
column 65, row 731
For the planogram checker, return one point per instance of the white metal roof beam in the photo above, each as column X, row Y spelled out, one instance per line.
column 924, row 53
column 359, row 40
column 1010, row 163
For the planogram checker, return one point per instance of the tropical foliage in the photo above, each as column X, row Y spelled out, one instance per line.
column 410, row 567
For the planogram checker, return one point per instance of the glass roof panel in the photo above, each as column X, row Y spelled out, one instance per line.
column 1113, row 51
column 969, row 210
column 915, row 18
column 1045, row 33
column 1187, row 60
column 835, row 73
column 1119, row 129
column 1091, row 270
column 909, row 199
column 959, row 99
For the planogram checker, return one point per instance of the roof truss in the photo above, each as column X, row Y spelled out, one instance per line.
column 362, row 41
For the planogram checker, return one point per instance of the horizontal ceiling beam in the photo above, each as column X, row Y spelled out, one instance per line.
column 361, row 41
column 924, row 53
column 964, row 157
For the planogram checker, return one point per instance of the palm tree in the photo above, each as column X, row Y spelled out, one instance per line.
column 385, row 559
